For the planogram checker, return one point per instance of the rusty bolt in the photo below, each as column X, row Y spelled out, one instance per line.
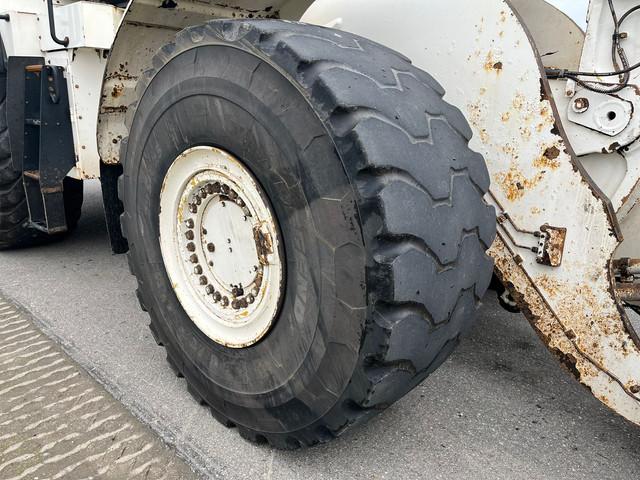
column 197, row 270
column 204, row 280
column 189, row 235
column 191, row 247
column 210, row 290
column 217, row 297
column 581, row 105
column 189, row 223
column 211, row 247
column 193, row 258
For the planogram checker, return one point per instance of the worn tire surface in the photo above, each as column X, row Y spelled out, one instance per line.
column 383, row 219
column 14, row 215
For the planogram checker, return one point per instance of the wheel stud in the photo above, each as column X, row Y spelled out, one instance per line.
column 191, row 247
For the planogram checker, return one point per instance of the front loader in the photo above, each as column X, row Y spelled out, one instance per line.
column 314, row 196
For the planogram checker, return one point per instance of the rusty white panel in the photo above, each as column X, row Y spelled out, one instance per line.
column 484, row 58
column 144, row 29
column 85, row 24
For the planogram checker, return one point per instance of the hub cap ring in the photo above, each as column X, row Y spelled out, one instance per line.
column 221, row 246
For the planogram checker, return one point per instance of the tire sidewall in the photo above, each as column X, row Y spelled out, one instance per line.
column 231, row 99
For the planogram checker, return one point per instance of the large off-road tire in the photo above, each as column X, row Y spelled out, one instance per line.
column 379, row 202
column 15, row 229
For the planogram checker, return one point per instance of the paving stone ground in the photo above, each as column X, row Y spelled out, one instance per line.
column 58, row 423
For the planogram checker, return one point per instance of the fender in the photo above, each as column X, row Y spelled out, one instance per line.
column 490, row 67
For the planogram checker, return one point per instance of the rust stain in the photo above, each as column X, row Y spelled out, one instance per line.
column 118, row 90
column 514, row 184
column 548, row 159
column 492, row 64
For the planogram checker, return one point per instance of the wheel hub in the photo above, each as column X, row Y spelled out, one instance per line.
column 220, row 244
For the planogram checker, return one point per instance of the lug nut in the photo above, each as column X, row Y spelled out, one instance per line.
column 211, row 247
column 189, row 235
column 191, row 247
column 204, row 280
column 197, row 270
column 189, row 223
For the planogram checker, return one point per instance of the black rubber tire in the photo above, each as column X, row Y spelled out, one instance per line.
column 380, row 204
column 15, row 230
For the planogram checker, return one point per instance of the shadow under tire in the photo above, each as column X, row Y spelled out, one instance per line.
column 379, row 202
column 15, row 229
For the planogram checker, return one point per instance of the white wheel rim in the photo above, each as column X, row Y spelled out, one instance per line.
column 221, row 247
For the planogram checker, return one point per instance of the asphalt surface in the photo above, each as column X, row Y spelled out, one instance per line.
column 500, row 408
column 57, row 423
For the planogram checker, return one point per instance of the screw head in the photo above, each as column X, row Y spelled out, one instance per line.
column 581, row 105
